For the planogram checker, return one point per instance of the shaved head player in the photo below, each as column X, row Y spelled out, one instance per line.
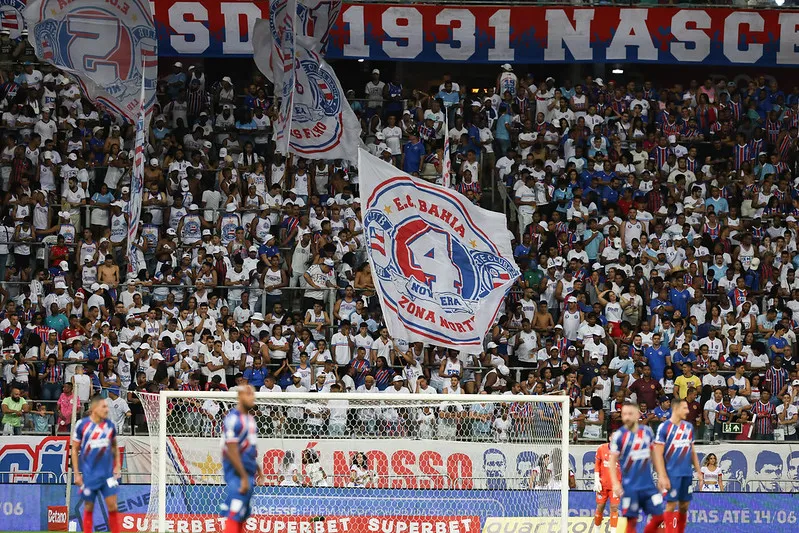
column 96, row 462
column 631, row 449
column 239, row 460
column 674, row 444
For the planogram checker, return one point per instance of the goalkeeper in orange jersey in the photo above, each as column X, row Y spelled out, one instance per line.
column 604, row 487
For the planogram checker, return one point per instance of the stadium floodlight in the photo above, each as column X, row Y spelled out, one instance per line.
column 365, row 460
column 360, row 60
column 779, row 2
column 617, row 69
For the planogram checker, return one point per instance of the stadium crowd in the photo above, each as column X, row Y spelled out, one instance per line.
column 656, row 229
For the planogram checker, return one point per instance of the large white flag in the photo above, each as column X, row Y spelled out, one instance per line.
column 441, row 265
column 110, row 48
column 315, row 118
column 276, row 34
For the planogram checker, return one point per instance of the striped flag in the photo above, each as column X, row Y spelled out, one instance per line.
column 47, row 50
column 149, row 56
column 446, row 172
column 136, row 186
column 9, row 20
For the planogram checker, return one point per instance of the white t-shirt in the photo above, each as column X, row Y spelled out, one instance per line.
column 340, row 347
column 792, row 411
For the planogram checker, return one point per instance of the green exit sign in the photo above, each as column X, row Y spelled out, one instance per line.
column 732, row 427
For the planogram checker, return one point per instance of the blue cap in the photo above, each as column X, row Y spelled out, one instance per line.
column 113, row 390
column 735, row 387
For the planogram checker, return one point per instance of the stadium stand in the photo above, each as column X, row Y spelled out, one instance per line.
column 655, row 228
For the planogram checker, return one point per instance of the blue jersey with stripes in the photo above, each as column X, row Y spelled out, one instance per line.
column 677, row 441
column 632, row 448
column 96, row 457
column 240, row 428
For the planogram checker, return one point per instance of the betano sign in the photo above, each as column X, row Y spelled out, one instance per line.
column 499, row 34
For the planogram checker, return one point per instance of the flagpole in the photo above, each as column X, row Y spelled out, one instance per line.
column 446, row 173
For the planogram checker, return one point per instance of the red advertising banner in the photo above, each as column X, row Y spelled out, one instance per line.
column 303, row 524
column 499, row 34
column 57, row 518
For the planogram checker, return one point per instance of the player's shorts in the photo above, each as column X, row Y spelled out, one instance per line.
column 103, row 488
column 236, row 504
column 605, row 495
column 649, row 500
column 682, row 489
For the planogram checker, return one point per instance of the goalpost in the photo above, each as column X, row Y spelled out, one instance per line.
column 336, row 462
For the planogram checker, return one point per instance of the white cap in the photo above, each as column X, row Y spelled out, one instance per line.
column 94, row 287
column 194, row 207
column 144, row 346
column 206, row 232
column 171, row 231
column 129, row 355
column 64, row 266
column 48, row 155
column 376, row 71
column 125, row 190
column 507, row 66
column 755, row 263
column 672, row 139
column 184, row 185
column 504, row 370
column 230, row 208
column 329, row 262
column 104, row 286
column 60, row 285
column 223, row 152
column 157, row 357
column 178, row 64
column 297, row 375
column 398, row 378
column 491, row 345
column 72, row 156
column 599, row 82
column 154, row 161
column 64, row 214
column 257, row 316
column 228, row 80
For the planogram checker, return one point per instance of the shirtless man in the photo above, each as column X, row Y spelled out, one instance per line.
column 542, row 320
column 108, row 273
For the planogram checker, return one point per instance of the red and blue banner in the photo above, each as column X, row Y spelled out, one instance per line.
column 503, row 34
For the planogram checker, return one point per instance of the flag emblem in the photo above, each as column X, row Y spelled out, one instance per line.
column 439, row 272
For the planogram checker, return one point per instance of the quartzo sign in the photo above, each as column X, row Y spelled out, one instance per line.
column 499, row 34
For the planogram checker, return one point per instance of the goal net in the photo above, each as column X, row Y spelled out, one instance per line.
column 340, row 462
